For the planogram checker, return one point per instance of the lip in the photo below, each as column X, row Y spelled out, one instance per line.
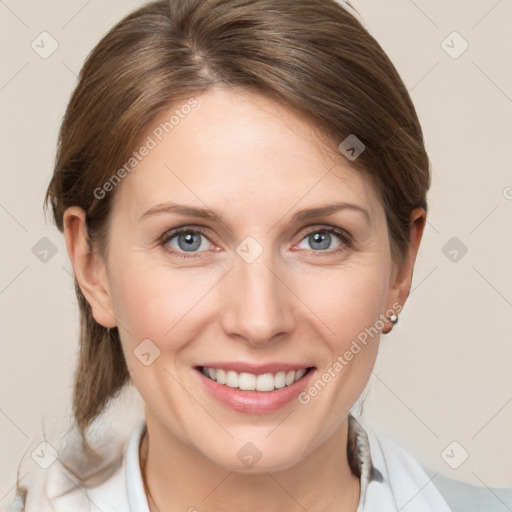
column 254, row 402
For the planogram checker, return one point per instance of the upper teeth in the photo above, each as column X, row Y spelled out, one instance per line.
column 251, row 382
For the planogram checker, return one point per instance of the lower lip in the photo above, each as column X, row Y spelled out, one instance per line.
column 255, row 402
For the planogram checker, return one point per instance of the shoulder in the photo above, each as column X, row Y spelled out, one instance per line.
column 464, row 497
column 412, row 482
column 57, row 489
column 72, row 483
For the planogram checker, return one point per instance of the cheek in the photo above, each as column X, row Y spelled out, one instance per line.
column 156, row 302
column 349, row 299
column 163, row 306
column 350, row 304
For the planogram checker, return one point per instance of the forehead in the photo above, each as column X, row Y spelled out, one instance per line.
column 240, row 149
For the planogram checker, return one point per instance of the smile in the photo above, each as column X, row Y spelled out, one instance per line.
column 250, row 382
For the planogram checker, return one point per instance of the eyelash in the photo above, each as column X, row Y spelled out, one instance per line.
column 345, row 238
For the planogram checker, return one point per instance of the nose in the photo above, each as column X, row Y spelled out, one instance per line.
column 259, row 305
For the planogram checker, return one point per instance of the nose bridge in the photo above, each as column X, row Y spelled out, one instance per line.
column 259, row 305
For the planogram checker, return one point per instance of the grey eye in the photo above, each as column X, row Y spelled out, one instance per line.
column 320, row 240
column 188, row 241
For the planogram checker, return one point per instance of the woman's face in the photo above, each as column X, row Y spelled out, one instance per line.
column 270, row 288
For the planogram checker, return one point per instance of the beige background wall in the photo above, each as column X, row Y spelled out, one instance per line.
column 443, row 375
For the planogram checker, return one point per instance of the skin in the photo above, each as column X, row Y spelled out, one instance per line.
column 256, row 163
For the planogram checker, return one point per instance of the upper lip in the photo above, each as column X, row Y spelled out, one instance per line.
column 256, row 369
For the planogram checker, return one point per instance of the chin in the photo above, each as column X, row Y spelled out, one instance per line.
column 256, row 457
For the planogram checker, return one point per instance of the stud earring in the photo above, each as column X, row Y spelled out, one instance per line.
column 393, row 319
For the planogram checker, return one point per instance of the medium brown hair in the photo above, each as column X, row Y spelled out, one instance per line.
column 311, row 55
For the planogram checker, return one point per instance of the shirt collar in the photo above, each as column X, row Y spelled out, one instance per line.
column 134, row 485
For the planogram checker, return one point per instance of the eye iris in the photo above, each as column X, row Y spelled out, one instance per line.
column 190, row 244
column 320, row 237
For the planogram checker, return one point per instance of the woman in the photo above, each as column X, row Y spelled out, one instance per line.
column 242, row 188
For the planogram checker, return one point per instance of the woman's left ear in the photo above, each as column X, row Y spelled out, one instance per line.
column 402, row 274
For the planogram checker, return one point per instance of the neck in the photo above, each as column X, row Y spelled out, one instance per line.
column 178, row 478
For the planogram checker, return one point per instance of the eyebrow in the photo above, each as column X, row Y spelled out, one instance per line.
column 206, row 213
